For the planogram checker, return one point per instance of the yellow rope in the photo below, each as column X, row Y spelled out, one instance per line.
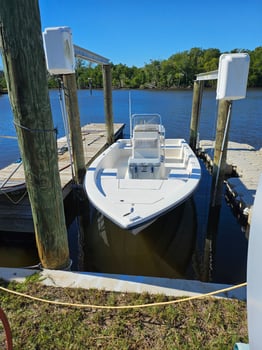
column 162, row 303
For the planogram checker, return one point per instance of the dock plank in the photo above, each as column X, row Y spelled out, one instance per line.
column 247, row 162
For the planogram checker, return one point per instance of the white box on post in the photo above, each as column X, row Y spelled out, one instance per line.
column 59, row 50
column 232, row 76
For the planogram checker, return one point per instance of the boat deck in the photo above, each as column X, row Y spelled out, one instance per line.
column 133, row 187
column 15, row 209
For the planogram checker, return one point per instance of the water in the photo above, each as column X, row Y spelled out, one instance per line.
column 158, row 250
column 174, row 107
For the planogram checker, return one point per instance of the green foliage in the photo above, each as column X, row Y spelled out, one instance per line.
column 178, row 71
column 52, row 81
column 2, row 81
column 255, row 71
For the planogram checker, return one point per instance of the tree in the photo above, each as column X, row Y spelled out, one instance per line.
column 255, row 71
column 2, row 81
column 177, row 71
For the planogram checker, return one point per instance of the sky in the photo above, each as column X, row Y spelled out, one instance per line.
column 134, row 32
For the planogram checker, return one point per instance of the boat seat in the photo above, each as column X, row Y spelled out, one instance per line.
column 145, row 161
column 146, row 145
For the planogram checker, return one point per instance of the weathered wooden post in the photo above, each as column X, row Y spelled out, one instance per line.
column 71, row 101
column 220, row 151
column 70, row 90
column 218, row 175
column 231, row 86
column 25, row 70
column 107, row 83
column 195, row 114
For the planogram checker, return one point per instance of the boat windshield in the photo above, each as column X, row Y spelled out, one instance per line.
column 146, row 122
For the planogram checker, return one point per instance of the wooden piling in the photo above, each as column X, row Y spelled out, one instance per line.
column 74, row 126
column 79, row 166
column 195, row 114
column 220, row 153
column 218, row 176
column 25, row 72
column 107, row 83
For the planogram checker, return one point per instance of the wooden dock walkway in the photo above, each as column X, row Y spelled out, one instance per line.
column 246, row 162
column 15, row 209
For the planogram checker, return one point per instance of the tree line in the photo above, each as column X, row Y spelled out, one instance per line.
column 178, row 71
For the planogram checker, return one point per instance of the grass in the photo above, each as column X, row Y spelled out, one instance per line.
column 199, row 324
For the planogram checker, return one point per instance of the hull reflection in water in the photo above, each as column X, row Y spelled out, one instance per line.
column 18, row 256
column 164, row 249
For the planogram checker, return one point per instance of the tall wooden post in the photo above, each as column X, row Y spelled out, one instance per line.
column 220, row 152
column 25, row 71
column 107, row 83
column 195, row 114
column 219, row 168
column 74, row 126
column 78, row 158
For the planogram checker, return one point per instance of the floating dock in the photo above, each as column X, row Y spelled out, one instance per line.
column 245, row 163
column 15, row 209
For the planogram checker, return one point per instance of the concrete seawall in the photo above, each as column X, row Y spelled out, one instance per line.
column 122, row 283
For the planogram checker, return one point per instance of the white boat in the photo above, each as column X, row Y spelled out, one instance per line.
column 139, row 179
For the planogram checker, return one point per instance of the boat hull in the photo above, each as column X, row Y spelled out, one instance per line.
column 134, row 203
column 150, row 253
